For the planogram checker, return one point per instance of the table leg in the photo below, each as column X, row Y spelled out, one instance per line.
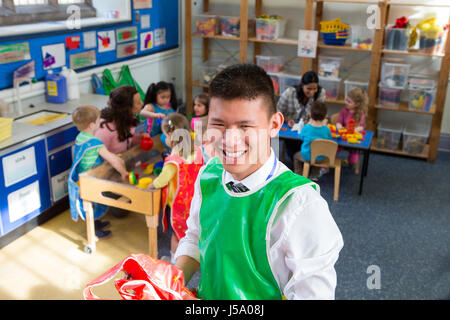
column 364, row 170
column 152, row 225
column 90, row 227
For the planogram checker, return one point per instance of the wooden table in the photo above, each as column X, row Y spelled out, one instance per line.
column 99, row 184
column 364, row 147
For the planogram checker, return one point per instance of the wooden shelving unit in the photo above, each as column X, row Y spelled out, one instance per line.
column 377, row 52
column 312, row 17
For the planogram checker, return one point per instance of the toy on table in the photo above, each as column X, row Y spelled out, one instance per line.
column 158, row 167
column 148, row 168
column 348, row 134
column 133, row 177
column 334, row 32
column 146, row 143
column 144, row 182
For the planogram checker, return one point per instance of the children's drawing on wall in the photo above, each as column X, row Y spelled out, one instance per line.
column 126, row 34
column 160, row 37
column 307, row 43
column 89, row 40
column 145, row 21
column 106, row 41
column 126, row 50
column 83, row 60
column 14, row 52
column 73, row 42
column 142, row 4
column 54, row 56
column 146, row 40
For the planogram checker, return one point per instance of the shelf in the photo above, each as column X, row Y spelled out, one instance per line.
column 216, row 36
column 413, row 53
column 344, row 47
column 404, row 107
column 340, row 100
column 198, row 84
column 423, row 155
column 349, row 1
column 291, row 42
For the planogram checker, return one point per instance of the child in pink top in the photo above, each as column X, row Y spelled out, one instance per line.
column 355, row 108
column 118, row 121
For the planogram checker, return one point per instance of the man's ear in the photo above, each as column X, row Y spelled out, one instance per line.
column 276, row 122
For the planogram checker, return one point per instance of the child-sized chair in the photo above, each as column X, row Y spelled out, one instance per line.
column 322, row 147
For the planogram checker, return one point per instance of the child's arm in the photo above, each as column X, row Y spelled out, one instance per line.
column 362, row 123
column 168, row 172
column 340, row 121
column 149, row 112
column 115, row 161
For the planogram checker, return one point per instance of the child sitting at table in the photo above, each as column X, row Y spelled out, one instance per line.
column 199, row 123
column 355, row 108
column 316, row 128
column 90, row 152
column 178, row 175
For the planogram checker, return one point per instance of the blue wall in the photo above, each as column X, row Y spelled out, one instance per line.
column 163, row 14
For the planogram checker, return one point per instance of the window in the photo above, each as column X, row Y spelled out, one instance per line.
column 19, row 12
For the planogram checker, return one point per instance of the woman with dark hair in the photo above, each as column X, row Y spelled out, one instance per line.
column 118, row 121
column 295, row 105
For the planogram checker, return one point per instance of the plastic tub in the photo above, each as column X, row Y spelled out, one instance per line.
column 230, row 26
column 329, row 66
column 394, row 74
column 388, row 136
column 276, row 82
column 421, row 94
column 208, row 70
column 270, row 28
column 389, row 97
column 289, row 80
column 362, row 37
column 432, row 42
column 332, row 87
column 349, row 85
column 206, row 24
column 415, row 138
column 270, row 63
column 397, row 39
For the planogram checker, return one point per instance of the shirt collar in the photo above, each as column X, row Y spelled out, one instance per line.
column 256, row 178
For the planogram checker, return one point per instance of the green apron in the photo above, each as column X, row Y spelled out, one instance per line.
column 232, row 239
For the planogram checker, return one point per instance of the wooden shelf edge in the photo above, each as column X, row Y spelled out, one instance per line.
column 413, row 53
column 344, row 47
column 217, row 36
column 423, row 155
column 290, row 42
column 405, row 108
column 198, row 84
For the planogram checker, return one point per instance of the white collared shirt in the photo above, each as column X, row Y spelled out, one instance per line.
column 304, row 239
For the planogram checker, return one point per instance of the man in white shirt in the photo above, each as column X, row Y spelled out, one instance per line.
column 256, row 230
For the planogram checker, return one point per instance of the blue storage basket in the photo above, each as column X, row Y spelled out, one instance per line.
column 335, row 38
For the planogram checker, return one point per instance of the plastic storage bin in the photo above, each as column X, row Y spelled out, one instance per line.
column 394, row 74
column 388, row 136
column 331, row 86
column 421, row 94
column 415, row 138
column 270, row 63
column 208, row 70
column 276, row 82
column 329, row 66
column 362, row 37
column 230, row 26
column 270, row 28
column 397, row 39
column 389, row 97
column 432, row 42
column 349, row 85
column 206, row 25
column 289, row 80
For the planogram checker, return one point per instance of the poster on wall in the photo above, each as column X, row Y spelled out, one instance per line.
column 160, row 37
column 89, row 40
column 126, row 50
column 14, row 52
column 106, row 41
column 145, row 21
column 54, row 56
column 126, row 34
column 73, row 42
column 142, row 4
column 83, row 60
column 146, row 40
column 307, row 43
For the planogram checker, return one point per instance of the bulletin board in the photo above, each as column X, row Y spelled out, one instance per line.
column 152, row 29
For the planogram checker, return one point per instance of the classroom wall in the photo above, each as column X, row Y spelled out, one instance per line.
column 355, row 68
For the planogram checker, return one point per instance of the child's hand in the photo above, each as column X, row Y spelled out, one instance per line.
column 152, row 187
column 291, row 123
column 125, row 176
column 160, row 115
column 143, row 134
column 339, row 126
column 359, row 129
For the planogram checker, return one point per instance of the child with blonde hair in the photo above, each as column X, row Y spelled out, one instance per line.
column 355, row 108
column 178, row 175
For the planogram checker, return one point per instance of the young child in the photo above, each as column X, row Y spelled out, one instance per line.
column 90, row 152
column 118, row 121
column 355, row 108
column 178, row 175
column 315, row 129
column 199, row 122
column 160, row 100
column 256, row 230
